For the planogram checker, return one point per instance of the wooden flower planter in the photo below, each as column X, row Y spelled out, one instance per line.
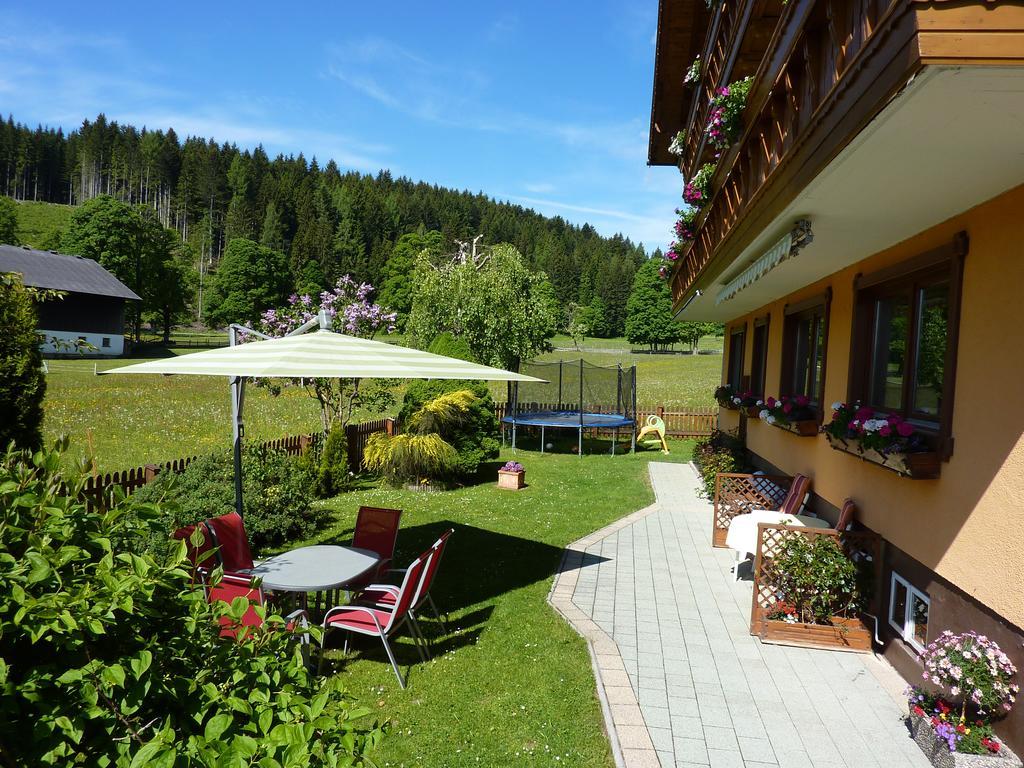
column 729, row 405
column 511, row 481
column 753, row 411
column 803, row 428
column 939, row 755
column 917, row 466
column 842, row 635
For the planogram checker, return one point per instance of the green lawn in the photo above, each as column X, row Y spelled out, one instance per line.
column 127, row 421
column 511, row 683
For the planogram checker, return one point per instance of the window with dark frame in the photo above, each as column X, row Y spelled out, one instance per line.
column 759, row 362
column 904, row 343
column 804, row 344
column 737, row 339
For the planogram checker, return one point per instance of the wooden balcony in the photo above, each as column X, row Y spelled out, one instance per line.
column 827, row 69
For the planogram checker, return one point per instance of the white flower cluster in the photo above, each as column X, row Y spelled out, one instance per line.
column 873, row 425
column 737, row 400
column 766, row 416
column 678, row 145
column 836, row 405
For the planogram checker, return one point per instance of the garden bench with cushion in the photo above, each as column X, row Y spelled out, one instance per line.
column 738, row 493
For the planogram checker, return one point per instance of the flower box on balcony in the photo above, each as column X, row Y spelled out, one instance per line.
column 920, row 465
column 842, row 634
column 937, row 751
column 512, row 481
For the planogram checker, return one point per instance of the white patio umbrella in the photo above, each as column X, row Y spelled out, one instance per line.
column 320, row 354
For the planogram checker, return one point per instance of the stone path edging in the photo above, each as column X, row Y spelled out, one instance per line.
column 624, row 723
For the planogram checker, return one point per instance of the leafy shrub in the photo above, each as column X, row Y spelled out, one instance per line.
column 22, row 382
column 329, row 466
column 409, row 457
column 720, row 452
column 110, row 656
column 448, row 345
column 475, row 439
column 815, row 579
column 276, row 488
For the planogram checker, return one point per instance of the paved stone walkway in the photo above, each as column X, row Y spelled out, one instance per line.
column 658, row 603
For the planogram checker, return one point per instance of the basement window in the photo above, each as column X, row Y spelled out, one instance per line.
column 908, row 612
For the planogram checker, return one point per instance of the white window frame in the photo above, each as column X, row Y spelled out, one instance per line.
column 907, row 630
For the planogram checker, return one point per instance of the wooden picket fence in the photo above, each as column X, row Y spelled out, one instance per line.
column 99, row 488
column 690, row 422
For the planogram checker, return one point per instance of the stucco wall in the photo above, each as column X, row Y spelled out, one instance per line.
column 968, row 525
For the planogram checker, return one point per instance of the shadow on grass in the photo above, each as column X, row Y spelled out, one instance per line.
column 478, row 567
column 566, row 441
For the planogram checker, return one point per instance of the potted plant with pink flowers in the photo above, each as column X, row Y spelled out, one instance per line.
column 970, row 686
column 512, row 476
column 697, row 191
column 886, row 439
column 795, row 414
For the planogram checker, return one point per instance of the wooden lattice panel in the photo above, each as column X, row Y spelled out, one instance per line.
column 863, row 547
column 738, row 494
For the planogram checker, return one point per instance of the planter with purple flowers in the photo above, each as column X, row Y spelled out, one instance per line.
column 512, row 476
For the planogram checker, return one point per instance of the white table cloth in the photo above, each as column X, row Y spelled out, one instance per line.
column 742, row 534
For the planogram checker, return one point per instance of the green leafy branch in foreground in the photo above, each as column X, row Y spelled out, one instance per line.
column 109, row 657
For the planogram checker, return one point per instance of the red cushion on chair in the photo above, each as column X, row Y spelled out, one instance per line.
column 374, row 597
column 231, row 538
column 360, row 620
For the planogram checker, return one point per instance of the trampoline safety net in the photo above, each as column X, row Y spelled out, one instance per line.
column 574, row 394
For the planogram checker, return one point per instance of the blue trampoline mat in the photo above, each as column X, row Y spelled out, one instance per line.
column 570, row 419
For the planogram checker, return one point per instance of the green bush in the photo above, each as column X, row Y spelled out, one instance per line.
column 22, row 382
column 329, row 465
column 110, row 656
column 475, row 439
column 450, row 346
column 721, row 452
column 277, row 491
column 814, row 579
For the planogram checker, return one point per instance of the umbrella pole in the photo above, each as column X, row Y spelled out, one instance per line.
column 237, row 432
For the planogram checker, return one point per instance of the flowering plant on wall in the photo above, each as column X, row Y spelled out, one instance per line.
column 724, row 395
column 725, row 121
column 693, row 73
column 977, row 676
column 698, row 189
column 678, row 145
column 786, row 410
column 685, row 229
column 885, row 433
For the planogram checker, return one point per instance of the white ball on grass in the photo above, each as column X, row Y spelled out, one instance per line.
column 549, row 446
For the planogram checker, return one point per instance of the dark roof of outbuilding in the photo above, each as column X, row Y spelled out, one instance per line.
column 75, row 274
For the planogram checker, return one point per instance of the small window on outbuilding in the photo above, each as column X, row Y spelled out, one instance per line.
column 105, row 342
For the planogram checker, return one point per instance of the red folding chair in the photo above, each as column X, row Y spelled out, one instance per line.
column 381, row 622
column 377, row 531
column 203, row 556
column 232, row 542
column 234, row 585
column 385, row 595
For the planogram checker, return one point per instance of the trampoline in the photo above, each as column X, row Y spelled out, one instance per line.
column 574, row 394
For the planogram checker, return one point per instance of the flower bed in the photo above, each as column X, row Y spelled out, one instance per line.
column 794, row 414
column 958, row 730
column 887, row 440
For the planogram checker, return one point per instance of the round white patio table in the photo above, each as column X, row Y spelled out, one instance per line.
column 315, row 569
column 742, row 535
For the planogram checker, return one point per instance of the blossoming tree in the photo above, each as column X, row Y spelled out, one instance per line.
column 352, row 312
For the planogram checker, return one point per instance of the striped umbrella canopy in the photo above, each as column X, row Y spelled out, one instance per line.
column 322, row 354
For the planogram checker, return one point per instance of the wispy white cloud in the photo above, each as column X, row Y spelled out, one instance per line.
column 539, row 187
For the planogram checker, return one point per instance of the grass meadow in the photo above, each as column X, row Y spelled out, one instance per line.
column 127, row 421
column 510, row 683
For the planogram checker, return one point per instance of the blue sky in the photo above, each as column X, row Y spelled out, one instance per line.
column 541, row 103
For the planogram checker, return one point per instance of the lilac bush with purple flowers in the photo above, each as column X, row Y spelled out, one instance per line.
column 351, row 310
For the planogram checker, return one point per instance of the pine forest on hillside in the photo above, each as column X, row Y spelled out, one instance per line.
column 327, row 221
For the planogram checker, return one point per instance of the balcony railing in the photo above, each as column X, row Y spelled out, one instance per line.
column 816, row 44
